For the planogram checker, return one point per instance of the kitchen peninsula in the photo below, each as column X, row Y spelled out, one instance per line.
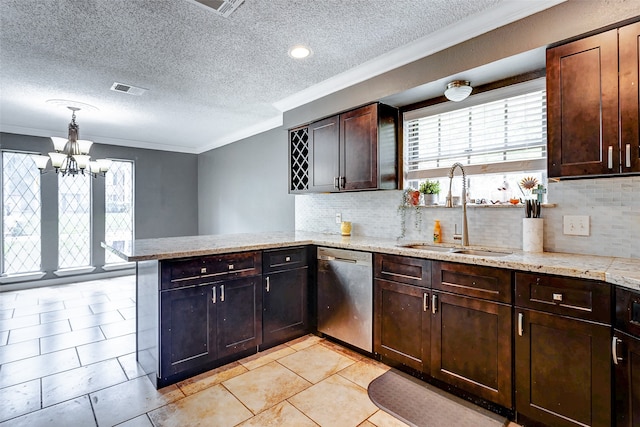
column 618, row 271
column 224, row 279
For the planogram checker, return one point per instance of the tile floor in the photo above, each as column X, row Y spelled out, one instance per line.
column 67, row 359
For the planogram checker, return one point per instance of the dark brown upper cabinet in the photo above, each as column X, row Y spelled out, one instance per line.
column 354, row 150
column 592, row 111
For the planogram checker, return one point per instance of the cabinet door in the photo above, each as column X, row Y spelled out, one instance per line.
column 627, row 374
column 562, row 369
column 324, row 155
column 582, row 107
column 187, row 329
column 359, row 148
column 629, row 39
column 402, row 323
column 471, row 346
column 239, row 315
column 285, row 306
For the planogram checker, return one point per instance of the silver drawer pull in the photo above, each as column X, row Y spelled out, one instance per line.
column 230, row 266
column 628, row 155
column 221, row 293
column 434, row 303
column 610, row 157
column 287, row 259
column 268, row 284
column 520, row 324
column 213, row 296
column 203, row 270
column 614, row 350
column 425, row 302
column 557, row 297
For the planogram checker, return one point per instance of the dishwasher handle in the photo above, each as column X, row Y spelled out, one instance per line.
column 333, row 258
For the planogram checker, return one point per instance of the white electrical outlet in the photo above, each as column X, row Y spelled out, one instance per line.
column 338, row 218
column 576, row 225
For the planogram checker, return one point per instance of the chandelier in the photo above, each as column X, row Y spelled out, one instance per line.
column 71, row 155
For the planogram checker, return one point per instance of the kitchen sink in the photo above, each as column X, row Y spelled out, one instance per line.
column 479, row 252
column 462, row 251
column 428, row 247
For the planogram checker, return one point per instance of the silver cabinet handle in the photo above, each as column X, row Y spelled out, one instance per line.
column 628, row 155
column 213, row 297
column 434, row 303
column 610, row 157
column 336, row 182
column 268, row 286
column 221, row 293
column 520, row 324
column 614, row 350
column 425, row 302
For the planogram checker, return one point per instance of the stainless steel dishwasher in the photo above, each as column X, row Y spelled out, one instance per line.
column 345, row 296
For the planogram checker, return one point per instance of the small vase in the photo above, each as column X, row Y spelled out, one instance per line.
column 430, row 199
column 414, row 198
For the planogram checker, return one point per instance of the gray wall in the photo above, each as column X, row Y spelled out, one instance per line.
column 243, row 186
column 166, row 192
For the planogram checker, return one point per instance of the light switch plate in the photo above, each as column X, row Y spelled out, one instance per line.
column 576, row 225
column 338, row 218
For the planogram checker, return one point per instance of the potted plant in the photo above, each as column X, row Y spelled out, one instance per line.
column 430, row 190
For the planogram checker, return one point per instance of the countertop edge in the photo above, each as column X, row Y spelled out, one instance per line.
column 624, row 272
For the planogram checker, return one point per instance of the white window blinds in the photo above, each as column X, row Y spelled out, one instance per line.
column 508, row 133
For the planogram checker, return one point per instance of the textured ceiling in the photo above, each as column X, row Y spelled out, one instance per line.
column 210, row 79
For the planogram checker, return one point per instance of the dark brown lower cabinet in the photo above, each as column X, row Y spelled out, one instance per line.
column 562, row 369
column 626, row 357
column 471, row 346
column 239, row 316
column 285, row 306
column 402, row 323
column 627, row 379
column 203, row 323
column 187, row 328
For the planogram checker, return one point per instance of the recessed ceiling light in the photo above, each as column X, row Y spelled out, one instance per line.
column 299, row 52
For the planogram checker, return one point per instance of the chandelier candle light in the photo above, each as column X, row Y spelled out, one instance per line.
column 71, row 155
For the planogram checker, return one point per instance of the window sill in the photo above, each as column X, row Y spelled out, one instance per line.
column 118, row 266
column 481, row 206
column 74, row 271
column 22, row 277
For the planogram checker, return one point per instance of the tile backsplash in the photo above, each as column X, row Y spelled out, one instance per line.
column 613, row 205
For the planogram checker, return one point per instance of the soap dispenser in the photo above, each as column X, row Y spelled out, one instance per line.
column 437, row 235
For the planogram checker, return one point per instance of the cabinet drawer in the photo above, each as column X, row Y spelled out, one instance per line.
column 584, row 299
column 628, row 311
column 211, row 268
column 284, row 259
column 488, row 283
column 413, row 271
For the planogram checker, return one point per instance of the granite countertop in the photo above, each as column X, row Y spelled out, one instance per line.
column 619, row 271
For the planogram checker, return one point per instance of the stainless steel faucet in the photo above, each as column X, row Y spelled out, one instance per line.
column 449, row 203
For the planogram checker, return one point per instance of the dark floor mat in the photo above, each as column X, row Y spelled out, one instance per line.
column 422, row 405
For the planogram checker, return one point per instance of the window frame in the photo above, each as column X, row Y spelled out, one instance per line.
column 110, row 266
column 27, row 275
column 497, row 94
